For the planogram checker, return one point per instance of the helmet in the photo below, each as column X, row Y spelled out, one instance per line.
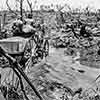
column 30, row 16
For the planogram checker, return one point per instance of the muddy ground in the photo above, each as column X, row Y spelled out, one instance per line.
column 65, row 70
column 60, row 68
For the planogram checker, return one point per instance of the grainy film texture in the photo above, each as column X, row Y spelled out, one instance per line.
column 49, row 49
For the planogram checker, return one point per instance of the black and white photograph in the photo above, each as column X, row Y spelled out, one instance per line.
column 49, row 49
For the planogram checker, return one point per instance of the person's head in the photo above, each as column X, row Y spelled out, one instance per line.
column 14, row 24
column 29, row 16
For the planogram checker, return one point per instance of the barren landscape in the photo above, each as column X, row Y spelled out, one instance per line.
column 50, row 55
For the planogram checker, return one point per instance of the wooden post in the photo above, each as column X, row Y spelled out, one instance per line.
column 21, row 9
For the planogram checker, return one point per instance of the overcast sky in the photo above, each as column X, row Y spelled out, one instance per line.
column 72, row 3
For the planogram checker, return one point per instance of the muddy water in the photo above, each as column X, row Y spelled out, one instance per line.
column 70, row 72
column 64, row 70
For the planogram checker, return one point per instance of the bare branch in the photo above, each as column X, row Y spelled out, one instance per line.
column 21, row 8
column 10, row 8
column 30, row 5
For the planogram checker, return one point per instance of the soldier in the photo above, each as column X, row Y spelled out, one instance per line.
column 29, row 16
column 28, row 31
column 17, row 28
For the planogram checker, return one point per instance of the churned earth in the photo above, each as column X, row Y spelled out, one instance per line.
column 62, row 69
column 66, row 70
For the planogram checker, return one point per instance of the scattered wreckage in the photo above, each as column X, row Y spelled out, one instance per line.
column 19, row 53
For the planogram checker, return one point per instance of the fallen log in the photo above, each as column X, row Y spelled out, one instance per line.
column 18, row 68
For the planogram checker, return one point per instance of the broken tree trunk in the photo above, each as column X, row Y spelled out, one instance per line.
column 18, row 68
column 21, row 9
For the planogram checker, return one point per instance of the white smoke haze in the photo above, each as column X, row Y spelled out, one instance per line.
column 95, row 4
